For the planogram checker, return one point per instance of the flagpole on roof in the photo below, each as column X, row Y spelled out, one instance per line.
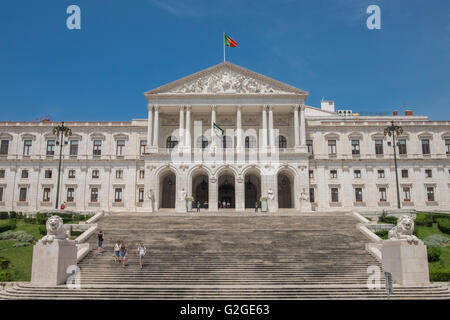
column 224, row 47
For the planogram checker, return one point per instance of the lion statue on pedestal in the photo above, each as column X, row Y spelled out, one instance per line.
column 404, row 230
column 55, row 230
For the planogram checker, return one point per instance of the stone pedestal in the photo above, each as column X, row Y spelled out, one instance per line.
column 50, row 262
column 408, row 263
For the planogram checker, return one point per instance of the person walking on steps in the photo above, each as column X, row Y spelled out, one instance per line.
column 117, row 251
column 123, row 255
column 256, row 206
column 141, row 251
column 198, row 206
column 100, row 236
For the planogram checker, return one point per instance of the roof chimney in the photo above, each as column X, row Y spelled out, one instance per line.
column 395, row 113
column 408, row 113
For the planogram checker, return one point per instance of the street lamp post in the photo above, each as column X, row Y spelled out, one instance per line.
column 60, row 131
column 393, row 130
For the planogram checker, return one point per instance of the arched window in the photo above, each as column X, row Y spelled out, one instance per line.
column 202, row 142
column 227, row 142
column 282, row 142
column 250, row 142
column 171, row 142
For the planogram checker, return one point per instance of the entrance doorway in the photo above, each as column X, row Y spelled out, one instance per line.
column 167, row 187
column 200, row 190
column 226, row 195
column 252, row 190
column 285, row 188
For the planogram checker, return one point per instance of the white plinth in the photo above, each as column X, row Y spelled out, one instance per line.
column 50, row 262
column 408, row 263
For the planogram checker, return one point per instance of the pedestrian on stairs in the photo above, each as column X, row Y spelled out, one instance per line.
column 117, row 247
column 100, row 236
column 256, row 206
column 123, row 255
column 141, row 251
column 198, row 206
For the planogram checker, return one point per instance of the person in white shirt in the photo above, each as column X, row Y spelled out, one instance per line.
column 141, row 251
column 117, row 247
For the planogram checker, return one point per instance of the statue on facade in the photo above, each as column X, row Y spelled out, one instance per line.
column 55, row 230
column 270, row 194
column 404, row 230
column 150, row 195
column 183, row 195
column 303, row 195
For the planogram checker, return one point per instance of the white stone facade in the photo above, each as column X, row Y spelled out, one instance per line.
column 343, row 170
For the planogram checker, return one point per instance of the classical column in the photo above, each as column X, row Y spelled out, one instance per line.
column 150, row 125
column 188, row 126
column 264, row 126
column 302, row 125
column 238, row 128
column 271, row 137
column 213, row 120
column 181, row 133
column 156, row 127
column 296, row 128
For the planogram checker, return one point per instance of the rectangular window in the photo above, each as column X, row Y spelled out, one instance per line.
column 378, row 146
column 311, row 195
column 70, row 194
column 311, row 174
column 332, row 147
column 2, row 173
column 23, row 195
column 141, row 174
column 406, row 194
column 120, row 150
column 334, row 195
column 51, row 147
column 425, row 146
column 430, row 193
column 48, row 174
column 46, row 195
column 401, row 146
column 1, row 194
column 4, row 147
column 428, row 173
column 27, row 147
column 382, row 194
column 24, row 174
column 405, row 173
column 143, row 145
column 97, row 148
column 71, row 174
column 119, row 174
column 380, row 173
column 309, row 143
column 73, row 147
column 333, row 174
column 95, row 174
column 141, row 195
column 447, row 146
column 118, row 195
column 357, row 173
column 355, row 147
column 94, row 194
column 358, row 195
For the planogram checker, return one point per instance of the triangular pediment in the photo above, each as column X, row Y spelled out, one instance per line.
column 227, row 78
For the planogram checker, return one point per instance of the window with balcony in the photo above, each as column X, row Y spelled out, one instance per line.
column 27, row 147
column 23, row 194
column 141, row 174
column 282, row 142
column 311, row 174
column 94, row 194
column 46, row 195
column 333, row 174
column 227, row 142
column 430, row 193
column 378, row 147
column 404, row 173
column 4, row 147
column 73, row 147
column 70, row 194
column 381, row 174
column 141, row 195
column 447, row 146
column 95, row 174
column 24, row 174
column 401, row 146
column 2, row 173
column 143, row 145
column 355, row 147
column 72, row 174
column 51, row 147
column 332, row 147
column 48, row 174
column 309, row 144
column 120, row 148
column 334, row 195
column 1, row 194
column 428, row 173
column 406, row 194
column 425, row 146
column 311, row 195
column 357, row 173
column 382, row 194
column 358, row 195
column 119, row 174
column 97, row 151
column 250, row 142
column 118, row 195
column 171, row 142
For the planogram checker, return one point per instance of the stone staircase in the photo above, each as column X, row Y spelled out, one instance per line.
column 230, row 256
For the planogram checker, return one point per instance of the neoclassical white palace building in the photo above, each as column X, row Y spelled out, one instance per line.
column 273, row 146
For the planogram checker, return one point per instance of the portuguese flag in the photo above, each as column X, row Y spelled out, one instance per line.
column 229, row 42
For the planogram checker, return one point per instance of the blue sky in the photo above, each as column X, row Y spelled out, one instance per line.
column 128, row 47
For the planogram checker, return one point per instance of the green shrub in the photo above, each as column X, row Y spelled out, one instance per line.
column 423, row 220
column 22, row 236
column 43, row 230
column 433, row 253
column 441, row 275
column 12, row 214
column 7, row 235
column 388, row 219
column 4, row 215
column 6, row 275
column 21, row 244
column 444, row 225
column 383, row 234
column 4, row 263
column 20, row 215
column 435, row 240
column 9, row 225
column 76, row 233
column 436, row 216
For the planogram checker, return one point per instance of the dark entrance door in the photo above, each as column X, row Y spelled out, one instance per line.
column 226, row 193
